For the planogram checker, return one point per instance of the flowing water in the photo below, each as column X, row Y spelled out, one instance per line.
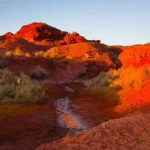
column 67, row 119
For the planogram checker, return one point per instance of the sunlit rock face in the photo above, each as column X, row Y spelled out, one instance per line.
column 44, row 34
column 8, row 35
column 71, row 49
column 39, row 31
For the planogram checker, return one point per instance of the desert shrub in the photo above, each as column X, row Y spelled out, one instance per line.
column 101, row 80
column 39, row 54
column 18, row 52
column 38, row 74
column 7, row 84
column 130, row 77
column 27, row 54
column 100, row 87
column 53, row 53
column 7, row 91
column 6, row 77
column 9, row 54
column 22, row 89
column 107, row 85
column 27, row 90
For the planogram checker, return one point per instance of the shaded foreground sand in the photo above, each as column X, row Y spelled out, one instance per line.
column 131, row 132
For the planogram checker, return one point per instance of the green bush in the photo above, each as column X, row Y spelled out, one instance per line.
column 38, row 74
column 101, row 80
column 99, row 87
column 7, row 91
column 123, row 78
column 21, row 88
column 6, row 77
column 7, row 84
column 27, row 91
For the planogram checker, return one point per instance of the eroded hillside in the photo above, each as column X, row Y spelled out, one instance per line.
column 40, row 45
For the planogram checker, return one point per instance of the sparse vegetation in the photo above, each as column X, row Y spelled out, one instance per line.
column 7, row 84
column 99, row 87
column 101, row 80
column 123, row 78
column 107, row 84
column 38, row 74
column 53, row 53
column 27, row 90
column 27, row 54
column 18, row 52
column 130, row 77
column 9, row 54
column 39, row 54
column 20, row 89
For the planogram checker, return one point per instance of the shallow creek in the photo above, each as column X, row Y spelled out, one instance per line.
column 68, row 119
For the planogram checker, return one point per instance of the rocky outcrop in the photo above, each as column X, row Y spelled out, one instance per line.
column 38, row 31
column 131, row 132
column 8, row 35
column 35, row 34
column 74, row 37
column 41, row 33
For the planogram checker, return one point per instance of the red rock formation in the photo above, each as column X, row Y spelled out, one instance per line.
column 47, row 35
column 8, row 35
column 39, row 31
column 74, row 38
column 42, row 37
